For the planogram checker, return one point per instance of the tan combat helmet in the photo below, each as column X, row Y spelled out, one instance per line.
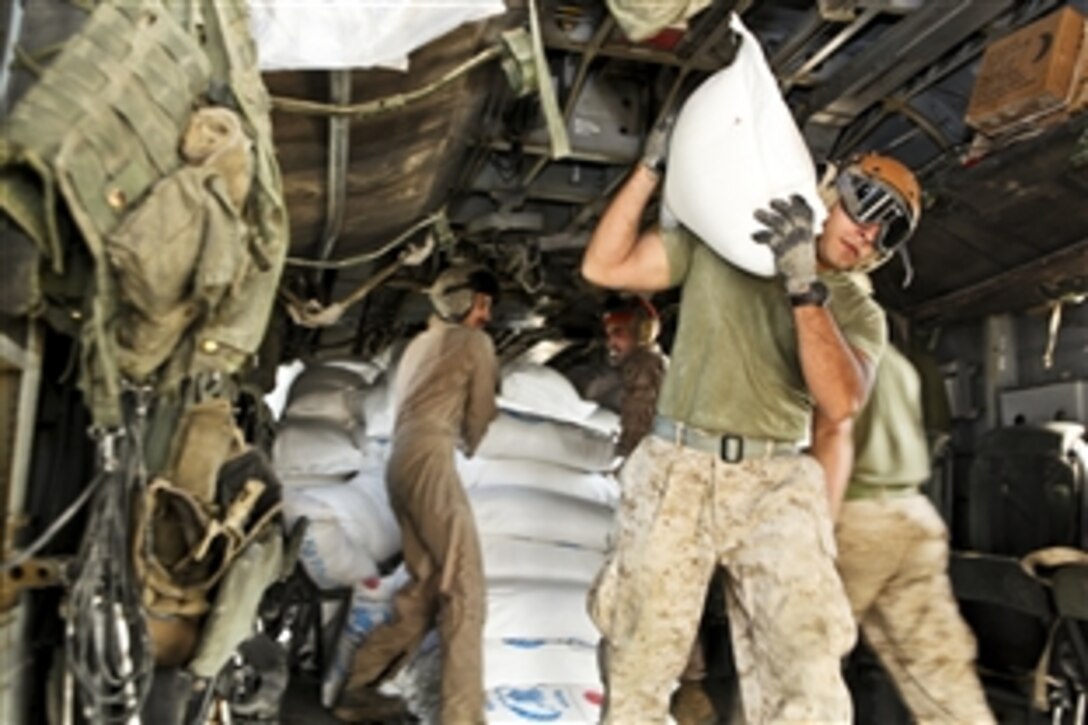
column 873, row 188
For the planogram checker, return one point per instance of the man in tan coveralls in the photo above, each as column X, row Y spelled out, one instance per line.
column 445, row 392
column 722, row 481
column 893, row 557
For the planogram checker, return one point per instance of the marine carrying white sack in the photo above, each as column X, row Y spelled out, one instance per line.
column 735, row 147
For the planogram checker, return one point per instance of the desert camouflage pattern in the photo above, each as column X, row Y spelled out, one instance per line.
column 683, row 512
column 904, row 604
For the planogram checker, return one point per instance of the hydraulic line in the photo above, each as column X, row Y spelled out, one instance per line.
column 106, row 637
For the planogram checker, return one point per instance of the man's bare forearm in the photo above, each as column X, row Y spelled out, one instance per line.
column 616, row 255
column 836, row 375
column 833, row 447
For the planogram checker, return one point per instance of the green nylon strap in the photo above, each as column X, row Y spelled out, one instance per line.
column 557, row 127
column 150, row 126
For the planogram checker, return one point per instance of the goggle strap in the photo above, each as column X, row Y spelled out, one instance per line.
column 908, row 265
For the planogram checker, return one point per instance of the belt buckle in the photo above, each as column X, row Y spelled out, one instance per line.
column 732, row 449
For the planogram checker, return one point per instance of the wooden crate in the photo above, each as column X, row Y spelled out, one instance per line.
column 1033, row 72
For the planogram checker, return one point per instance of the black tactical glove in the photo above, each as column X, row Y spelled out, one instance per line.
column 789, row 235
column 656, row 149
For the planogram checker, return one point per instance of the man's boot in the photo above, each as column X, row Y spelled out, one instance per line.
column 691, row 705
column 368, row 705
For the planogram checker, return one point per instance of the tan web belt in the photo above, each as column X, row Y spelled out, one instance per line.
column 730, row 448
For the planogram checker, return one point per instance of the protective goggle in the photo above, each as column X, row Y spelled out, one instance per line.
column 870, row 201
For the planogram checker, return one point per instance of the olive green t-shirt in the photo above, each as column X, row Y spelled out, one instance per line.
column 890, row 447
column 734, row 364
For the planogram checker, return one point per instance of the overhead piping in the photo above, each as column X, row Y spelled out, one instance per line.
column 14, row 26
column 841, row 38
column 339, row 151
column 390, row 103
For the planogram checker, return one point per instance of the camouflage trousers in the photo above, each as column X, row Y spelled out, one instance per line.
column 893, row 558
column 682, row 513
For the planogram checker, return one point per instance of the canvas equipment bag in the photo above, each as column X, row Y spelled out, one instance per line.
column 91, row 162
column 186, row 543
column 182, row 250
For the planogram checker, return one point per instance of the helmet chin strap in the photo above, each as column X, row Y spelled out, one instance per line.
column 884, row 257
column 454, row 319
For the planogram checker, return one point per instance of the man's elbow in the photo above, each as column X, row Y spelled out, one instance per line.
column 840, row 412
column 594, row 272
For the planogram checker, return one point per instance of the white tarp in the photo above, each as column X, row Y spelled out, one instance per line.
column 285, row 378
column 331, row 34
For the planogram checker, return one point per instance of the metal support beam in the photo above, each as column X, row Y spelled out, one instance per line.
column 798, row 39
column 13, row 22
column 841, row 38
column 900, row 53
column 1071, row 260
column 21, row 349
column 339, row 152
column 604, row 32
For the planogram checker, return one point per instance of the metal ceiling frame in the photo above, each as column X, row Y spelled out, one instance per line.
column 905, row 50
column 944, row 306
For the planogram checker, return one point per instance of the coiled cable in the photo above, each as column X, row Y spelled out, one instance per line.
column 107, row 642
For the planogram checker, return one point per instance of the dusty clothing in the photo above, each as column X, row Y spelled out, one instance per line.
column 766, row 520
column 890, row 448
column 446, row 384
column 893, row 558
column 605, row 387
column 734, row 370
column 734, row 366
column 445, row 390
column 641, row 373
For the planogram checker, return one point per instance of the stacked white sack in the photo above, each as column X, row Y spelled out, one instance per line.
column 332, row 464
column 541, row 489
column 543, row 495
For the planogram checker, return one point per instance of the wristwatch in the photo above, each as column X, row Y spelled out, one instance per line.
column 816, row 294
